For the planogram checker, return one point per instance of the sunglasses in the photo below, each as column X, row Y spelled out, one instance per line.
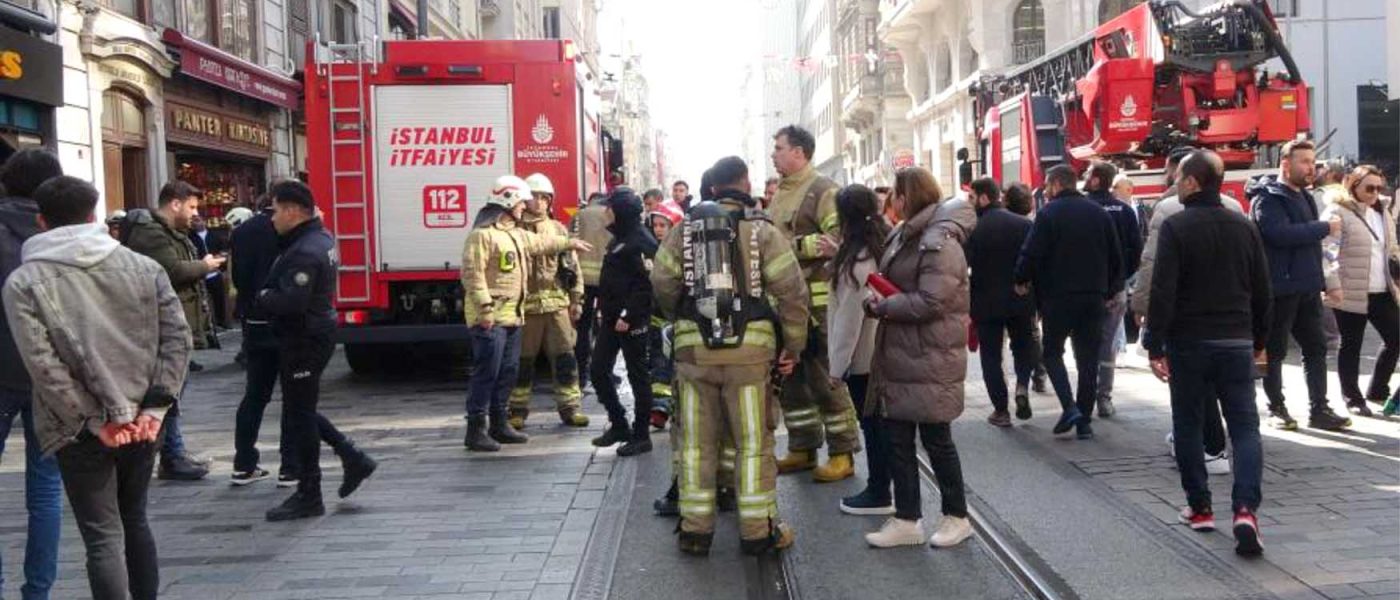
column 1371, row 189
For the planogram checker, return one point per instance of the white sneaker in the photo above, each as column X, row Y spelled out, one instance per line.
column 1218, row 465
column 1171, row 443
column 897, row 532
column 951, row 532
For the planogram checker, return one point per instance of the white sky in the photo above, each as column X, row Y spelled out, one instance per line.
column 693, row 55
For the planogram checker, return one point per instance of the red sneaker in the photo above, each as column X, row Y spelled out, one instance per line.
column 1247, row 534
column 1199, row 521
column 658, row 419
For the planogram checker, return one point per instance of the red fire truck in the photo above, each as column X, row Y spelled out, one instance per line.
column 1156, row 77
column 404, row 143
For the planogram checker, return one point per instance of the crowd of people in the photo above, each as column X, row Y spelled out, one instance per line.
column 845, row 313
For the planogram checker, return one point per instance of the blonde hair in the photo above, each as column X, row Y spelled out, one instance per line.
column 919, row 189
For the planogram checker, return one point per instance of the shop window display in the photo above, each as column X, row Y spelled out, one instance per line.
column 225, row 185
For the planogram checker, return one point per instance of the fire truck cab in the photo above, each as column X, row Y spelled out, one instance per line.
column 404, row 142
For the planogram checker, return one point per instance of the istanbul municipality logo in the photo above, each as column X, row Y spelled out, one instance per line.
column 542, row 133
column 1129, row 107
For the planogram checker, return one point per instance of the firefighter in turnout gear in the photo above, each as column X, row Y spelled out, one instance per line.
column 553, row 302
column 804, row 209
column 736, row 293
column 495, row 272
column 589, row 224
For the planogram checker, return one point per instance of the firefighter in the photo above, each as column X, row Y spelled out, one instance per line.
column 717, row 273
column 495, row 269
column 553, row 302
column 660, row 222
column 804, row 209
column 590, row 225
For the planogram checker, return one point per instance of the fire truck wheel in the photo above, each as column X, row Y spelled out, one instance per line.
column 363, row 358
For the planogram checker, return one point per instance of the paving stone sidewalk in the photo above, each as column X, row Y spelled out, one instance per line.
column 434, row 522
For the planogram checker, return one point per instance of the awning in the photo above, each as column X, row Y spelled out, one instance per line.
column 207, row 63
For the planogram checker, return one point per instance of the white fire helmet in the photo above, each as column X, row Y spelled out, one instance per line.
column 509, row 191
column 238, row 216
column 540, row 184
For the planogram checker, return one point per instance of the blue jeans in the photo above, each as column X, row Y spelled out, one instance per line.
column 495, row 365
column 1200, row 373
column 43, row 489
column 172, row 441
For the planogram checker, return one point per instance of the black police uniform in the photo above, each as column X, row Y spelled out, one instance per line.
column 297, row 300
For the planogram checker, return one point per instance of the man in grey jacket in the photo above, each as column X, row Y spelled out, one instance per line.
column 105, row 341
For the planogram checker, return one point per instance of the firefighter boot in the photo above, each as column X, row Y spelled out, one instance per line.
column 798, row 460
column 696, row 544
column 477, row 439
column 517, row 418
column 502, row 432
column 837, row 468
column 780, row 537
column 573, row 417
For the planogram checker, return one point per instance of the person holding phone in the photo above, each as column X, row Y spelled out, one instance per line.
column 920, row 360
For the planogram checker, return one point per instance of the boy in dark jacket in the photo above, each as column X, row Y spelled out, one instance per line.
column 1288, row 222
column 624, row 307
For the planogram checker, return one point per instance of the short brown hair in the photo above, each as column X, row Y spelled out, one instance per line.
column 1359, row 174
column 1296, row 145
column 177, row 190
column 919, row 188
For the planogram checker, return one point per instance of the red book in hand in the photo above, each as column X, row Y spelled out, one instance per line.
column 882, row 285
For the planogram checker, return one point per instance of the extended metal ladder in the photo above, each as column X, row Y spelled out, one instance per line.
column 347, row 100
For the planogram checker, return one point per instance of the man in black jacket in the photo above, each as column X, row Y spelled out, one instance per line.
column 296, row 298
column 996, row 309
column 255, row 248
column 1287, row 218
column 43, row 487
column 624, row 307
column 1099, row 185
column 1209, row 320
column 1075, row 262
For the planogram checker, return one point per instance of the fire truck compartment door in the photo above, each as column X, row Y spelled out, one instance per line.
column 439, row 151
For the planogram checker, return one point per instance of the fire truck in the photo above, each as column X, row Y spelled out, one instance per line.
column 1157, row 77
column 404, row 142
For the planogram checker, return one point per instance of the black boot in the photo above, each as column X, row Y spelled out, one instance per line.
column 357, row 465
column 502, row 432
column 616, row 433
column 641, row 437
column 669, row 505
column 304, row 503
column 477, row 439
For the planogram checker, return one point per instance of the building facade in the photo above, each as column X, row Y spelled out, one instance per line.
column 817, row 65
column 947, row 45
column 782, row 90
column 873, row 105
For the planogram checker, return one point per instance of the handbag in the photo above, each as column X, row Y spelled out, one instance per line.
column 1392, row 262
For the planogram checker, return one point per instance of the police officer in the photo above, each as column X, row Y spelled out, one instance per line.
column 717, row 271
column 553, row 302
column 495, row 269
column 296, row 297
column 589, row 224
column 804, row 209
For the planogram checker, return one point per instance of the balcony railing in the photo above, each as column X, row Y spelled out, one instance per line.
column 1024, row 52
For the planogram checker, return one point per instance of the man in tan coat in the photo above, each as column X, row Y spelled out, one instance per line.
column 553, row 302
column 723, row 356
column 804, row 210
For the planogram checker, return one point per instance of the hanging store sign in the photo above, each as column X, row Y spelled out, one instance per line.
column 204, row 62
column 201, row 127
column 30, row 68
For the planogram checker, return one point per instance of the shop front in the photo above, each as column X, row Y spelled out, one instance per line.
column 31, row 85
column 218, row 143
column 220, row 122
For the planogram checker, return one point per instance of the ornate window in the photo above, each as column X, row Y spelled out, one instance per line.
column 1027, row 32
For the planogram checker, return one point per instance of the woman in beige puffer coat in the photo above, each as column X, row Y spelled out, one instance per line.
column 1362, row 283
column 920, row 362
